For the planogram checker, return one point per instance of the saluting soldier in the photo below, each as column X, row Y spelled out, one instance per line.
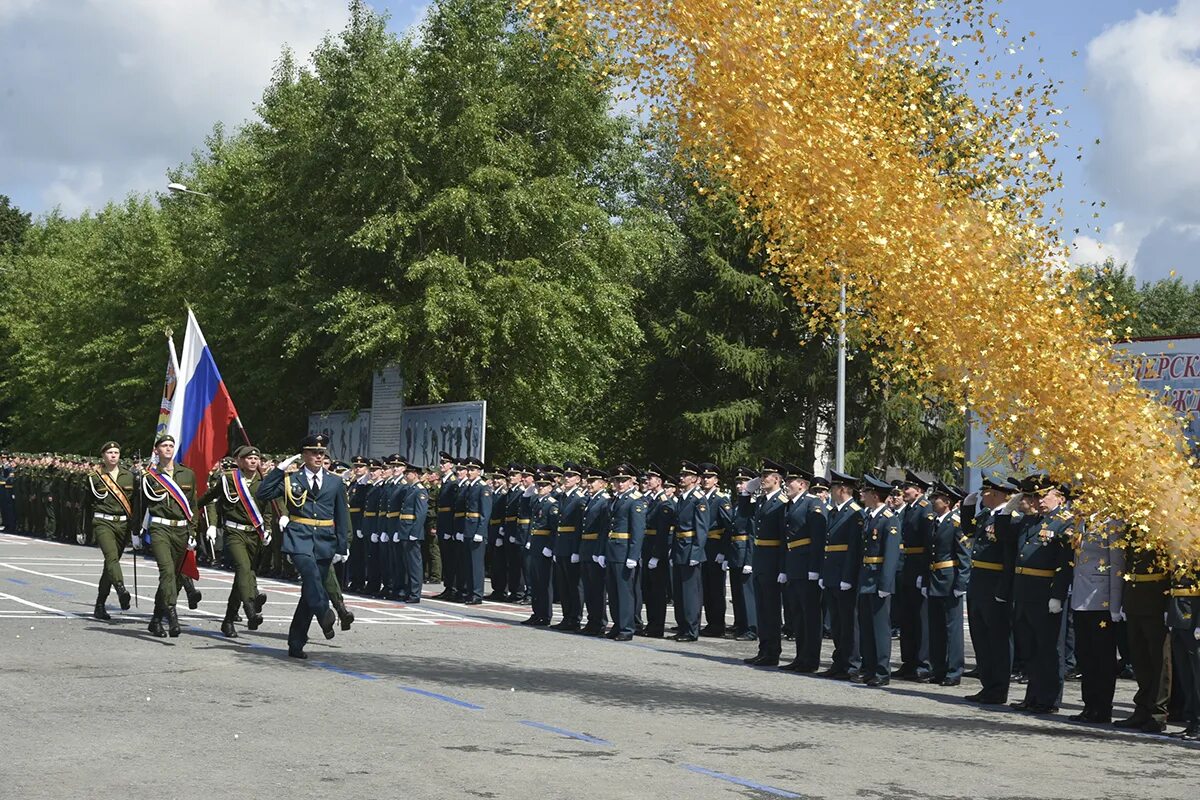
column 916, row 528
column 989, row 615
column 477, row 505
column 739, row 557
column 877, row 552
column 170, row 493
column 246, row 530
column 656, row 573
column 597, row 514
column 688, row 552
column 543, row 528
column 769, row 549
column 410, row 530
column 805, row 524
column 944, row 586
column 112, row 488
column 623, row 550
column 317, row 534
column 567, row 561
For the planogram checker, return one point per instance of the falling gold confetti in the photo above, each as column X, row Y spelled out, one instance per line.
column 841, row 128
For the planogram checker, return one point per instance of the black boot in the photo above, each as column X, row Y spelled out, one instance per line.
column 172, row 622
column 156, row 626
column 122, row 595
column 193, row 594
column 260, row 600
column 345, row 616
column 326, row 622
column 100, row 612
column 253, row 618
column 228, row 629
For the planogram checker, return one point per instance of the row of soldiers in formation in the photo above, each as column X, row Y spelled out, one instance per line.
column 832, row 554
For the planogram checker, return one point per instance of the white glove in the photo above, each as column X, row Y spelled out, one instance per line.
column 374, row 538
column 499, row 541
column 287, row 462
column 413, row 539
column 845, row 587
column 1055, row 605
column 136, row 541
column 596, row 559
column 512, row 540
column 445, row 537
column 1196, row 634
column 396, row 537
column 358, row 534
column 602, row 561
column 720, row 557
column 284, row 519
column 652, row 563
column 884, row 595
column 959, row 592
column 821, row 582
column 999, row 599
column 725, row 566
column 266, row 539
column 814, row 576
column 340, row 557
column 630, row 563
column 191, row 543
column 924, row 592
column 746, row 570
column 1117, row 615
column 527, row 544
column 211, row 535
column 458, row 537
column 547, row 552
column 693, row 563
column 574, row 558
column 781, row 577
column 920, row 581
column 477, row 538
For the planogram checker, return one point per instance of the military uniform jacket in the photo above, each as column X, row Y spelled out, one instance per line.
column 596, row 517
column 987, row 553
column 461, row 494
column 160, row 503
column 806, row 522
column 570, row 524
column 692, row 519
column 660, row 522
column 525, row 513
column 1146, row 582
column 1183, row 604
column 103, row 501
column 769, row 534
column 512, row 504
column 1042, row 558
column 915, row 532
column 499, row 507
column 842, row 537
column 478, row 510
column 223, row 492
column 543, row 526
column 948, row 557
column 1098, row 583
column 738, row 549
column 410, row 524
column 357, row 498
column 307, row 509
column 372, row 523
column 627, row 527
column 720, row 517
column 445, row 507
column 397, row 491
column 878, row 551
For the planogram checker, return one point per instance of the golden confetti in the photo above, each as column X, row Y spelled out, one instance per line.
column 841, row 129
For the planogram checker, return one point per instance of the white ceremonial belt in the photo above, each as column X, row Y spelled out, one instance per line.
column 110, row 517
column 173, row 523
column 237, row 526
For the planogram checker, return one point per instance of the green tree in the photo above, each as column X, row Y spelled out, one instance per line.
column 13, row 223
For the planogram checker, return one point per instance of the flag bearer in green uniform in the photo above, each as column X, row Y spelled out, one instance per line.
column 170, row 492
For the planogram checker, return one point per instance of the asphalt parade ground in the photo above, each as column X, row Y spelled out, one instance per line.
column 440, row 701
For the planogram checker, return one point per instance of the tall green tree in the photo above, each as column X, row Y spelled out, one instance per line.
column 13, row 223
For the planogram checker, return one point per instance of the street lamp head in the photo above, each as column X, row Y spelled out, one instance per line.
column 176, row 187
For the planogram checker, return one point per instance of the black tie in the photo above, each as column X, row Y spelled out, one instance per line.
column 316, row 482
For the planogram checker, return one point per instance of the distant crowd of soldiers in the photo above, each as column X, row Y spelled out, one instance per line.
column 800, row 557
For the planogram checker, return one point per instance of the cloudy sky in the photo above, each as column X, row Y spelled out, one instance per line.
column 99, row 97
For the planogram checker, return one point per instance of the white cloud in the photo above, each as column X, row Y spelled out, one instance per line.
column 1144, row 73
column 101, row 97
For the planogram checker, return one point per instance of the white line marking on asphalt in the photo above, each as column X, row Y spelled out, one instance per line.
column 31, row 604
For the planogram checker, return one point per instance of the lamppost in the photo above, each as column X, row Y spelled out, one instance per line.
column 179, row 188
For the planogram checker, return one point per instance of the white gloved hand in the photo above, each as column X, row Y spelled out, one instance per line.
column 781, row 577
column 596, row 559
column 358, row 534
column 959, row 592
column 191, row 543
column 999, row 599
column 845, row 587
column 547, row 552
column 747, row 570
column 287, row 462
column 574, row 558
column 413, row 539
column 211, row 535
column 693, row 563
column 340, row 557
column 630, row 563
column 477, row 538
column 374, row 538
column 814, row 576
column 725, row 566
column 602, row 561
column 396, row 537
column 458, row 537
column 1196, row 634
column 821, row 582
column 136, row 541
column 499, row 541
column 445, row 537
column 512, row 540
column 284, row 519
column 920, row 581
column 652, row 563
column 924, row 592
column 884, row 595
column 266, row 539
column 1055, row 605
column 720, row 557
column 1117, row 615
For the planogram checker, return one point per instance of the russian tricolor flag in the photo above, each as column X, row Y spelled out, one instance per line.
column 202, row 408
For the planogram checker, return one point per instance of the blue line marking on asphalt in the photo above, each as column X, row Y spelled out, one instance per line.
column 18, row 580
column 443, row 698
column 583, row 737
column 58, row 592
column 349, row 673
column 740, row 781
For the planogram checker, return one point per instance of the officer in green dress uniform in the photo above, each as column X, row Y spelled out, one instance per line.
column 170, row 500
column 246, row 531
column 112, row 488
